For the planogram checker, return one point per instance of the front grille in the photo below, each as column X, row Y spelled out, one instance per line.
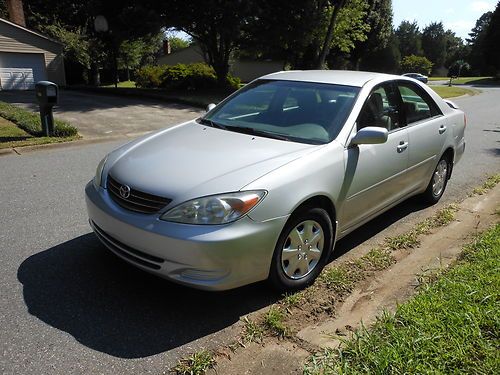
column 138, row 201
column 126, row 251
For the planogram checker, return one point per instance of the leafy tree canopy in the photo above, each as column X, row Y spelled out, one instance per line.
column 409, row 38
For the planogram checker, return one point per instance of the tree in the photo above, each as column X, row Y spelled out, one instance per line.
column 216, row 26
column 455, row 48
column 385, row 60
column 379, row 19
column 132, row 53
column 434, row 43
column 458, row 67
column 314, row 29
column 73, row 21
column 177, row 43
column 491, row 41
column 409, row 39
column 475, row 43
column 416, row 64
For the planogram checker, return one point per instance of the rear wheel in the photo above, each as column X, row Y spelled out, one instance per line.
column 302, row 249
column 438, row 182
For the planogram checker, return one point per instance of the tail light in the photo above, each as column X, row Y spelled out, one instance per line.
column 465, row 120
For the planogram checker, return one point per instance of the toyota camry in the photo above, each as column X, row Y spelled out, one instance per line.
column 264, row 184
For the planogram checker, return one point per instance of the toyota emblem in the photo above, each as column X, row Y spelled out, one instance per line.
column 124, row 191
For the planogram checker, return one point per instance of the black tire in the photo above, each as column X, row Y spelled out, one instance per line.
column 431, row 194
column 312, row 218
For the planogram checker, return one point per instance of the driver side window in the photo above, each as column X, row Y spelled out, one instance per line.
column 381, row 109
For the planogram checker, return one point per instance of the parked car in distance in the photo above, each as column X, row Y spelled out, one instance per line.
column 417, row 76
column 264, row 184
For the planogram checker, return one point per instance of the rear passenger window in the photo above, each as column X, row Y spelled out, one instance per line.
column 417, row 104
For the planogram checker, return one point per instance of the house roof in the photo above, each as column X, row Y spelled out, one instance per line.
column 29, row 31
column 339, row 77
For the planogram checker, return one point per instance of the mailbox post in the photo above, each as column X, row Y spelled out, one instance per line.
column 46, row 95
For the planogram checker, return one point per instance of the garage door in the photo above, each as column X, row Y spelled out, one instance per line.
column 20, row 71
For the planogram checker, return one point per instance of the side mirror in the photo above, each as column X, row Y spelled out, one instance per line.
column 370, row 135
column 210, row 107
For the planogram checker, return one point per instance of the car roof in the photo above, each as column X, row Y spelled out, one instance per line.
column 338, row 77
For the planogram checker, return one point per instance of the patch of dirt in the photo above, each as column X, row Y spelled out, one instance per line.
column 276, row 357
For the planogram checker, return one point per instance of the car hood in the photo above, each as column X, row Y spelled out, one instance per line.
column 193, row 160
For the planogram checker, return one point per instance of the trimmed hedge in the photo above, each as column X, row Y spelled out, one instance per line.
column 30, row 122
column 181, row 77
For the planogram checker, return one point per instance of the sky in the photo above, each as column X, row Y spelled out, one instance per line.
column 458, row 15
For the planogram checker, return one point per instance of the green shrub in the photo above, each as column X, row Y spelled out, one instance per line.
column 149, row 76
column 233, row 82
column 30, row 122
column 182, row 77
column 416, row 64
column 189, row 77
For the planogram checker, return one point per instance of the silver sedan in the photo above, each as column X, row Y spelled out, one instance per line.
column 264, row 184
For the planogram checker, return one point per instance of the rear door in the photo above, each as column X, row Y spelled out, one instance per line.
column 375, row 174
column 427, row 132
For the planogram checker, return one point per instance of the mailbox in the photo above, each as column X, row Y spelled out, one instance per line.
column 46, row 95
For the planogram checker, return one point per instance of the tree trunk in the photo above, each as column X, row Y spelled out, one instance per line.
column 221, row 70
column 95, row 75
column 329, row 33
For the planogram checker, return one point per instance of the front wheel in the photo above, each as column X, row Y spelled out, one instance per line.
column 302, row 249
column 438, row 182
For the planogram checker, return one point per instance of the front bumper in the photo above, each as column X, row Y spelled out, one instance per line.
column 210, row 257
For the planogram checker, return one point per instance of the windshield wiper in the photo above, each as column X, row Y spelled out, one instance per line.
column 242, row 129
column 257, row 132
column 211, row 123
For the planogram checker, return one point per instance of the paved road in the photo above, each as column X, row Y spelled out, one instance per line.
column 97, row 115
column 67, row 306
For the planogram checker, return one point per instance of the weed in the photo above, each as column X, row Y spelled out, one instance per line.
column 253, row 332
column 377, row 259
column 196, row 364
column 292, row 299
column 274, row 321
column 444, row 216
column 489, row 184
column 341, row 279
column 407, row 240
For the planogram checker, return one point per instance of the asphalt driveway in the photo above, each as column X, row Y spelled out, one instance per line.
column 97, row 115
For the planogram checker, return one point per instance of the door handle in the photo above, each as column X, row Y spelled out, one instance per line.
column 402, row 146
column 442, row 129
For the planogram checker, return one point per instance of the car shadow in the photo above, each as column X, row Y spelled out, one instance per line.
column 81, row 288
column 107, row 305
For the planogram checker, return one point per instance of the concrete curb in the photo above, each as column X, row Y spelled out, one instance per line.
column 54, row 146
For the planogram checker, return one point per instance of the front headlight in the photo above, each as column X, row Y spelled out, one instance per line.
column 215, row 209
column 98, row 172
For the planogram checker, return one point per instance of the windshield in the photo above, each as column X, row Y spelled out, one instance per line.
column 295, row 111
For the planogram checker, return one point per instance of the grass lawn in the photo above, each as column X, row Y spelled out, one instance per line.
column 12, row 136
column 452, row 326
column 451, row 92
column 469, row 80
column 127, row 84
